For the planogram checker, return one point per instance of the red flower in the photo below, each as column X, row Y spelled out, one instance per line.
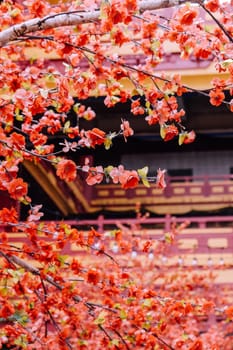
column 136, row 107
column 95, row 175
column 18, row 141
column 131, row 5
column 197, row 345
column 129, row 179
column 229, row 312
column 6, row 310
column 152, row 118
column 168, row 132
column 190, row 137
column 76, row 266
column 96, row 137
column 37, row 138
column 212, row 5
column 17, row 188
column 73, row 132
column 38, row 8
column 66, row 170
column 93, row 276
column 8, row 215
column 186, row 137
column 216, row 97
column 187, row 16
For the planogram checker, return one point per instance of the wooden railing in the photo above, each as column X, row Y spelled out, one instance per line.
column 200, row 235
column 181, row 195
column 101, row 223
column 200, row 243
column 206, row 184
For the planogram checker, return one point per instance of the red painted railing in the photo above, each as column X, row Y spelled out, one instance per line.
column 206, row 183
column 101, row 223
column 200, row 243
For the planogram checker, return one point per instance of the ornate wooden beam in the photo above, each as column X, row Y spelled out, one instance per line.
column 59, row 191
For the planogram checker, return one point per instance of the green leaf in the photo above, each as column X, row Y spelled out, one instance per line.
column 15, row 12
column 21, row 318
column 63, row 259
column 40, row 228
column 168, row 237
column 26, row 85
column 103, row 9
column 108, row 169
column 76, row 107
column 182, row 137
column 21, row 341
column 123, row 314
column 130, row 300
column 146, row 325
column 107, row 143
column 19, row 117
column 143, row 175
column 100, row 320
column 115, row 342
column 31, row 305
column 147, row 302
column 163, row 131
column 50, row 77
column 185, row 336
column 4, row 291
column 67, row 230
column 145, row 182
column 66, row 126
column 82, row 342
column 143, row 171
column 226, row 63
column 155, row 45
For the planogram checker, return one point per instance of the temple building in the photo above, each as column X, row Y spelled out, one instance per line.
column 199, row 175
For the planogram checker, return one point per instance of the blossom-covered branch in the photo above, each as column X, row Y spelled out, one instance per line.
column 73, row 19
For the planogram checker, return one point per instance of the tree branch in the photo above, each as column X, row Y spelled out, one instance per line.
column 72, row 19
column 15, row 260
column 228, row 35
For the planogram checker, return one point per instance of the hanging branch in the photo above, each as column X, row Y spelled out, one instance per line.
column 228, row 35
column 14, row 260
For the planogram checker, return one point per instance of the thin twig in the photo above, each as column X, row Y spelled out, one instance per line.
column 122, row 339
column 216, row 21
column 139, row 70
column 105, row 332
column 163, row 341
